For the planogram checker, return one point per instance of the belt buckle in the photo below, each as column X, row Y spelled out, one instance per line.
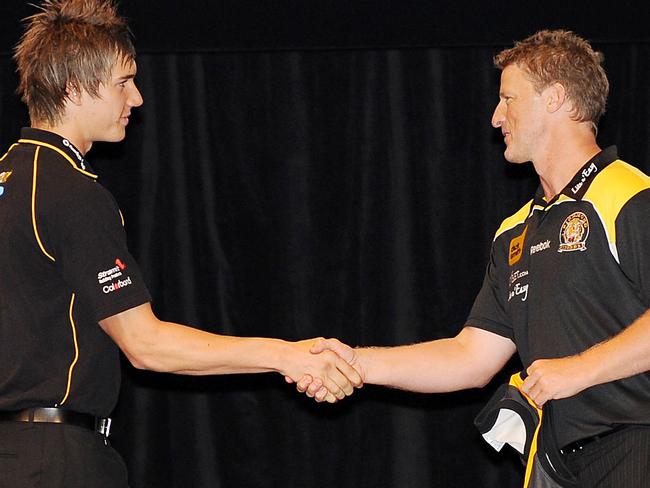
column 104, row 426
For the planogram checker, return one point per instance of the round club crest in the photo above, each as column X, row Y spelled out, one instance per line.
column 574, row 232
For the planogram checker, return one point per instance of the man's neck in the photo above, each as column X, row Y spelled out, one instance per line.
column 563, row 160
column 67, row 132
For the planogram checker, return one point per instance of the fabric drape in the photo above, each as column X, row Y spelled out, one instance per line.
column 293, row 194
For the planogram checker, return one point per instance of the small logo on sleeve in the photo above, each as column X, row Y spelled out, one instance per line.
column 116, row 285
column 112, row 275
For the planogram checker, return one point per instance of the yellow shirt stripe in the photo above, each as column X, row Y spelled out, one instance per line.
column 34, row 225
column 76, row 351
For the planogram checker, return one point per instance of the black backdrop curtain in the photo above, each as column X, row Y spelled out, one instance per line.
column 347, row 193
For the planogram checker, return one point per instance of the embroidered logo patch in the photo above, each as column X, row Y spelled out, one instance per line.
column 517, row 248
column 574, row 233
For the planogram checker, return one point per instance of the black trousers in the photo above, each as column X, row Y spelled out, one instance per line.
column 620, row 460
column 38, row 455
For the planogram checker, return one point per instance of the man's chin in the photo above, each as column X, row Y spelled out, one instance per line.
column 513, row 158
column 118, row 136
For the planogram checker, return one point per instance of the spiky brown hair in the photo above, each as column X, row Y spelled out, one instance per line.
column 68, row 45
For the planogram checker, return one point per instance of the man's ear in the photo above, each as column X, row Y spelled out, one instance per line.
column 555, row 97
column 73, row 92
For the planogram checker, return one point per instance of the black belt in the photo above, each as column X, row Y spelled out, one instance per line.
column 580, row 444
column 59, row 416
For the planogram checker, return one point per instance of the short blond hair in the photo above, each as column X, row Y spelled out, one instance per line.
column 68, row 45
column 560, row 56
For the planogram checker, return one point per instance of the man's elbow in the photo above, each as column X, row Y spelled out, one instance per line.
column 138, row 361
column 483, row 380
column 141, row 351
column 140, row 358
column 138, row 335
column 478, row 376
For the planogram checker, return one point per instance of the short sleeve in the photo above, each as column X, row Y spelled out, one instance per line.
column 488, row 311
column 633, row 242
column 83, row 228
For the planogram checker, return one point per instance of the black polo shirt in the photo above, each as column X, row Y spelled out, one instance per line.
column 572, row 272
column 64, row 266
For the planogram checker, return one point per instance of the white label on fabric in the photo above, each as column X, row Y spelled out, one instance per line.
column 117, row 285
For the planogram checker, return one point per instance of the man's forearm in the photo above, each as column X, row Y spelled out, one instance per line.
column 466, row 361
column 439, row 366
column 169, row 347
column 175, row 348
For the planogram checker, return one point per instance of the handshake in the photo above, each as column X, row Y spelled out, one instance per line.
column 324, row 369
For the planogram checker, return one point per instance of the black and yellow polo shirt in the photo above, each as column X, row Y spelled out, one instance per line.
column 572, row 272
column 64, row 266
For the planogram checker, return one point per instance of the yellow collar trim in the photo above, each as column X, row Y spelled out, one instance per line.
column 62, row 153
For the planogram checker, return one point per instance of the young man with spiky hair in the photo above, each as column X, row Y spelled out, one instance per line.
column 71, row 293
column 568, row 282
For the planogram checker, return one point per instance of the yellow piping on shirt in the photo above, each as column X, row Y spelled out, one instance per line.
column 8, row 151
column 76, row 352
column 34, row 178
column 62, row 153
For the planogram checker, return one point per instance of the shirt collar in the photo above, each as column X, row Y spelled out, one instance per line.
column 579, row 184
column 40, row 136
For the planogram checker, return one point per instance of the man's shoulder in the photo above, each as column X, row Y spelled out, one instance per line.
column 615, row 186
column 622, row 174
column 61, row 189
column 517, row 218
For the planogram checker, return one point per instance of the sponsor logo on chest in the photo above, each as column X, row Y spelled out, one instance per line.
column 542, row 246
column 516, row 248
column 517, row 289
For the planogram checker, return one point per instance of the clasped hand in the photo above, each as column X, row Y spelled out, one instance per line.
column 325, row 370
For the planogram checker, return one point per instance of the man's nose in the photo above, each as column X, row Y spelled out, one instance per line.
column 498, row 115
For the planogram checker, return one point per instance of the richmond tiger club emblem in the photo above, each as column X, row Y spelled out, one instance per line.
column 574, row 233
